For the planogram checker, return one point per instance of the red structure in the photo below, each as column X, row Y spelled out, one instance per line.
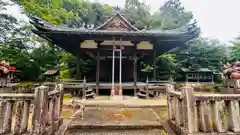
column 6, row 73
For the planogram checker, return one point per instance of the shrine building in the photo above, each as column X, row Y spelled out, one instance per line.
column 118, row 48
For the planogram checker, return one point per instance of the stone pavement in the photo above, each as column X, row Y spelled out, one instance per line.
column 116, row 118
column 116, row 121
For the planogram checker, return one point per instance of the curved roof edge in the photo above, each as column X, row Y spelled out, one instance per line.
column 43, row 26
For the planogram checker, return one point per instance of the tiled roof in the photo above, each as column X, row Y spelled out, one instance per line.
column 44, row 27
column 198, row 70
column 51, row 72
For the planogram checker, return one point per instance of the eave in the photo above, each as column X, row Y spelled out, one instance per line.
column 70, row 38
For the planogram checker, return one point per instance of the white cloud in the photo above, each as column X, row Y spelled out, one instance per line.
column 217, row 18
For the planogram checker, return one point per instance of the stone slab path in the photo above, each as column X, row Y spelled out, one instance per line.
column 116, row 121
column 116, row 118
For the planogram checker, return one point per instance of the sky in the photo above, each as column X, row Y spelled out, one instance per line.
column 218, row 19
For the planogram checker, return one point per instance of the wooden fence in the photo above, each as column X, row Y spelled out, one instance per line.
column 35, row 114
column 206, row 114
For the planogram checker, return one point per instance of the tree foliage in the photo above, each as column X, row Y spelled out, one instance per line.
column 203, row 53
column 235, row 51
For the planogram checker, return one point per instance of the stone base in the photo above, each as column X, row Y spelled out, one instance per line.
column 116, row 97
column 135, row 97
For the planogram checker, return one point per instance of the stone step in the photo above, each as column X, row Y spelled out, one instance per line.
column 90, row 95
column 116, row 132
column 142, row 90
column 141, row 95
column 113, row 126
column 89, row 90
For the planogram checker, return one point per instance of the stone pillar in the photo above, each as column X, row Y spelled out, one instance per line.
column 60, row 101
column 188, row 109
column 8, row 117
column 234, row 116
column 218, row 112
column 51, row 111
column 18, row 117
column 2, row 112
column 25, row 116
column 40, row 110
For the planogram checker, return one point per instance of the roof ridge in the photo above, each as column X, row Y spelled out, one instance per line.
column 122, row 17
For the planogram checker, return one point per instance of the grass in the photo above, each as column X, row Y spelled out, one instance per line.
column 26, row 83
column 66, row 98
column 163, row 132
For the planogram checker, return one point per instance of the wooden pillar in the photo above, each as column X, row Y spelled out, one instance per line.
column 212, row 77
column 154, row 62
column 78, row 74
column 147, row 90
column 186, row 77
column 198, row 73
column 135, row 69
column 98, row 69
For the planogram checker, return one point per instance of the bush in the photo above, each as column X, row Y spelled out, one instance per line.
column 217, row 88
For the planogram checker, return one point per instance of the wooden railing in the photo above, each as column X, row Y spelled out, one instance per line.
column 37, row 113
column 191, row 113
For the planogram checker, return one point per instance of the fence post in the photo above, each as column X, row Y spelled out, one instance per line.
column 188, row 108
column 60, row 103
column 169, row 88
column 40, row 110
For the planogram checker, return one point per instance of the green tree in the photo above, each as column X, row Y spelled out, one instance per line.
column 203, row 53
column 173, row 15
column 235, row 50
column 138, row 13
column 7, row 22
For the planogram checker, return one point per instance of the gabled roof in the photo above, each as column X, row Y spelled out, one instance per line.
column 51, row 72
column 117, row 22
column 198, row 70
